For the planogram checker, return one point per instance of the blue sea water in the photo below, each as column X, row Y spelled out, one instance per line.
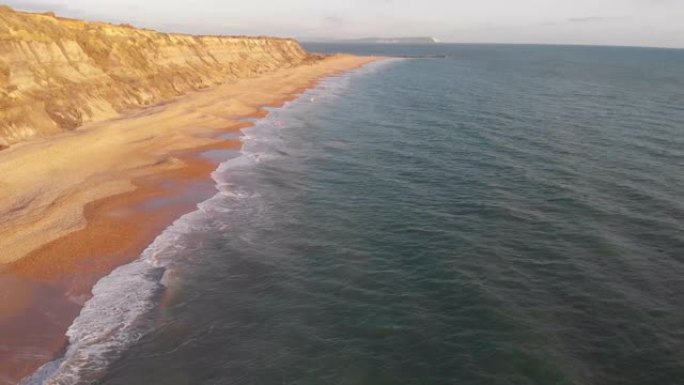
column 504, row 215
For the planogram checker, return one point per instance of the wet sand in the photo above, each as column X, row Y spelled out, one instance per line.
column 43, row 292
column 77, row 206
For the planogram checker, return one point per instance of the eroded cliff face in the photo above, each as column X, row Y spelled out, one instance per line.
column 57, row 74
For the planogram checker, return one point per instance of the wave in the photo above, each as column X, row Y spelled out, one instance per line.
column 119, row 313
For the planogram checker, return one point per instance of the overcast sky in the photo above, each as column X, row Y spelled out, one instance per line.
column 612, row 22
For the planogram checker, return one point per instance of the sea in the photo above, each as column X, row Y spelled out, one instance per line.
column 455, row 214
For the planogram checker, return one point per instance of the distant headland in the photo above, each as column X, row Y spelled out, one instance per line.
column 397, row 40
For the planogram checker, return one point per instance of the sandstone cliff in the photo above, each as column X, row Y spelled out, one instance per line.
column 56, row 73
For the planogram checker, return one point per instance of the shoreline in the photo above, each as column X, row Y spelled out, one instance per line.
column 119, row 208
column 66, row 269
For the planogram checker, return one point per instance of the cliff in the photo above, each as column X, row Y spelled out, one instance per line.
column 57, row 74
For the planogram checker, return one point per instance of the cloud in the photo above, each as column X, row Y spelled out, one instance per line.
column 334, row 20
column 589, row 19
column 64, row 10
column 35, row 6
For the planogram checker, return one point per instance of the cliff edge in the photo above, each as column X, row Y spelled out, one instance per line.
column 57, row 74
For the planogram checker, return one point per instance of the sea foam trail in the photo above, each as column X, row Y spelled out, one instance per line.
column 119, row 313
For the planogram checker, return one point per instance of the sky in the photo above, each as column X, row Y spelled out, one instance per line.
column 658, row 23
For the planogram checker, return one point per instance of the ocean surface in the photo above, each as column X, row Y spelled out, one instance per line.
column 503, row 215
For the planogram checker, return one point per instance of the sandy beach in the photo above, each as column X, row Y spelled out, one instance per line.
column 75, row 206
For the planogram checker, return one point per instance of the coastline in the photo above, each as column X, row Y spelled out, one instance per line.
column 97, row 204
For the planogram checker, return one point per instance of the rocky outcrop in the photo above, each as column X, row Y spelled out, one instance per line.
column 57, row 74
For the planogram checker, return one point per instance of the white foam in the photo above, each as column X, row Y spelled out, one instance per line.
column 109, row 322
